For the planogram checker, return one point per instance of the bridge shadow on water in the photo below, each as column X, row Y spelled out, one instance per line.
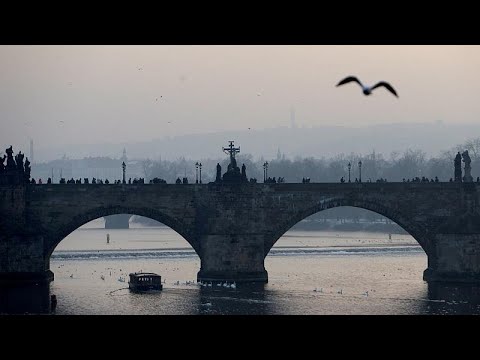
column 245, row 299
column 25, row 299
column 453, row 299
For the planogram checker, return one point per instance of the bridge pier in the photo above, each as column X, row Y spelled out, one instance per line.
column 23, row 260
column 233, row 258
column 454, row 258
column 120, row 221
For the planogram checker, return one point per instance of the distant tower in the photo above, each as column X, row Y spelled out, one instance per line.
column 124, row 156
column 31, row 151
column 292, row 118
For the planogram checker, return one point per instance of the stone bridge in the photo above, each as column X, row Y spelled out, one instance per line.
column 233, row 227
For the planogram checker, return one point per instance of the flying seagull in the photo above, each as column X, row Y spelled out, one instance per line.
column 367, row 90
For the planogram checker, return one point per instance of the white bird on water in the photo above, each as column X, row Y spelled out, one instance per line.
column 367, row 90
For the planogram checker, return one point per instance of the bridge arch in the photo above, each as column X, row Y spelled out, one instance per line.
column 389, row 212
column 83, row 218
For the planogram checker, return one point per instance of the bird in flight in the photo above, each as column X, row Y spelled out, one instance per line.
column 367, row 90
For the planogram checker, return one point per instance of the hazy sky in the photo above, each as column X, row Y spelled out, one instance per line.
column 93, row 94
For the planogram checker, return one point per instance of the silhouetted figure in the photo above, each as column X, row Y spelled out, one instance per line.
column 107, row 182
column 2, row 165
column 40, row 181
column 178, row 181
column 33, row 181
column 218, row 177
column 342, row 180
column 451, row 180
column 185, row 180
column 49, row 180
column 478, row 179
column 27, row 170
column 458, row 167
column 244, row 173
column 436, row 179
column 10, row 162
column 85, row 180
column 130, row 181
column 466, row 159
column 19, row 161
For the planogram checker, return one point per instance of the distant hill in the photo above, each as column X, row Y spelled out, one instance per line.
column 316, row 142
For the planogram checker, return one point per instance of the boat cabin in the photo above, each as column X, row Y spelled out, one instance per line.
column 145, row 282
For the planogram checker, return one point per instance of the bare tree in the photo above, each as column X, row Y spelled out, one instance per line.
column 473, row 147
column 147, row 168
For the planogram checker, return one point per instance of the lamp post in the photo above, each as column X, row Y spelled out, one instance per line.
column 196, row 172
column 123, row 168
column 349, row 167
column 200, row 166
column 265, row 171
column 360, row 171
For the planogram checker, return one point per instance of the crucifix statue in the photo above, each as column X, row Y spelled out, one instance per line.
column 232, row 150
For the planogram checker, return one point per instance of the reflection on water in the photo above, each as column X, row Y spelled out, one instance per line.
column 256, row 299
column 309, row 273
column 249, row 299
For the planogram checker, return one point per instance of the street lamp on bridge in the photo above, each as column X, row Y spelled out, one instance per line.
column 200, row 166
column 360, row 171
column 265, row 171
column 196, row 172
column 349, row 167
column 123, row 168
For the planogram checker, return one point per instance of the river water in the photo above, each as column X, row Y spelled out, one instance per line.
column 310, row 272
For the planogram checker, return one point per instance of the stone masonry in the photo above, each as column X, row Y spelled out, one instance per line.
column 232, row 227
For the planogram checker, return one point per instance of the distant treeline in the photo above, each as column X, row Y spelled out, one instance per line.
column 410, row 164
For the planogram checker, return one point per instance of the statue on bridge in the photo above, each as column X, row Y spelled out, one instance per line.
column 218, row 178
column 458, row 167
column 233, row 174
column 13, row 173
column 19, row 161
column 2, row 165
column 466, row 159
column 27, row 170
column 10, row 162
